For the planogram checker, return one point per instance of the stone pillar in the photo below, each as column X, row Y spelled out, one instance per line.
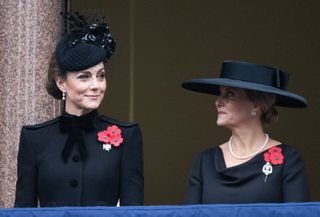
column 29, row 30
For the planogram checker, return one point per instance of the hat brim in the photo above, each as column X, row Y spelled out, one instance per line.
column 211, row 86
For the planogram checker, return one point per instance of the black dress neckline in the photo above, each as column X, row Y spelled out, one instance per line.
column 238, row 174
column 221, row 163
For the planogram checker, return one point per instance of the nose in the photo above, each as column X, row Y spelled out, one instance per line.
column 94, row 83
column 219, row 101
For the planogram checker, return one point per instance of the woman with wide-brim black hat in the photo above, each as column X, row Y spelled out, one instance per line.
column 80, row 158
column 250, row 167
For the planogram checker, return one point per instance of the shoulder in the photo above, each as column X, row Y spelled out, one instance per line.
column 41, row 125
column 203, row 160
column 207, row 154
column 292, row 156
column 118, row 122
column 210, row 151
column 289, row 150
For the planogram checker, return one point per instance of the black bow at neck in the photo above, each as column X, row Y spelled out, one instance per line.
column 76, row 126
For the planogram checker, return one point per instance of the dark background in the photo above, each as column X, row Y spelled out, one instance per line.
column 163, row 42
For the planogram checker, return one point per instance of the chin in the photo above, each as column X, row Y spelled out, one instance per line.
column 92, row 106
column 220, row 122
column 223, row 124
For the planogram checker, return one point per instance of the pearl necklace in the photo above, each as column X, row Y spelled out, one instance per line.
column 250, row 155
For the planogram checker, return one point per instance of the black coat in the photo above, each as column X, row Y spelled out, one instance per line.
column 101, row 179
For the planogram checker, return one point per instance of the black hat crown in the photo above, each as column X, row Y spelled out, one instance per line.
column 254, row 73
column 86, row 45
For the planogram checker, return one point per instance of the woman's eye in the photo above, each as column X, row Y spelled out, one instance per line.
column 229, row 94
column 83, row 77
column 101, row 76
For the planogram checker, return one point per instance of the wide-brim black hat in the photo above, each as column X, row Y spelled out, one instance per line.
column 249, row 76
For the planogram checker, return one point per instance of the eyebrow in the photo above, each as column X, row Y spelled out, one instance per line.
column 90, row 72
column 101, row 69
column 225, row 88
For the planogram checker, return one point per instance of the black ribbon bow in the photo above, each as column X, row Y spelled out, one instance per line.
column 76, row 126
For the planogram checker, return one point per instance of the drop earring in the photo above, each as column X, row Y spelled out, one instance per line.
column 63, row 96
column 253, row 113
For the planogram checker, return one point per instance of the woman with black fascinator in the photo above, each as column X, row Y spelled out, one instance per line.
column 80, row 158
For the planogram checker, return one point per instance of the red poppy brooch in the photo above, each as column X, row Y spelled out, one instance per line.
column 110, row 137
column 272, row 157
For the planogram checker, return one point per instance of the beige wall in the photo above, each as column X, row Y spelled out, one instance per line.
column 163, row 42
column 26, row 44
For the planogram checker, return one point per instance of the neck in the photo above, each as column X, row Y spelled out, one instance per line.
column 247, row 140
column 77, row 112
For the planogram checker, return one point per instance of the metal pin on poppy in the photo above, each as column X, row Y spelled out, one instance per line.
column 106, row 147
column 267, row 170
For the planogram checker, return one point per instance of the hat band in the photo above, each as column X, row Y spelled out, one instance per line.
column 255, row 74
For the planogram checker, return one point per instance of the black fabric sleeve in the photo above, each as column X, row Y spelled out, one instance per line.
column 26, row 187
column 295, row 183
column 194, row 186
column 132, row 181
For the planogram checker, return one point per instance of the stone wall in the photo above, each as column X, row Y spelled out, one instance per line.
column 29, row 30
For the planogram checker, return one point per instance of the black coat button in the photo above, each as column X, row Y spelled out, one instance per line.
column 76, row 158
column 74, row 183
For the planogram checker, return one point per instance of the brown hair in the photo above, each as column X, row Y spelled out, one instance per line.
column 54, row 72
column 265, row 101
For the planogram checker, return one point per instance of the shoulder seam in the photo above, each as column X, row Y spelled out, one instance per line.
column 117, row 122
column 41, row 125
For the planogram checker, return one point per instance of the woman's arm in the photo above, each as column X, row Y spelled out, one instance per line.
column 194, row 188
column 295, row 183
column 132, row 182
column 26, row 188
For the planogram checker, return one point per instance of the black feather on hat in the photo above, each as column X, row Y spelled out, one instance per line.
column 86, row 45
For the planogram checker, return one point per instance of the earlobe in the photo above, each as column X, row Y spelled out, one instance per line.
column 254, row 110
column 60, row 84
column 253, row 113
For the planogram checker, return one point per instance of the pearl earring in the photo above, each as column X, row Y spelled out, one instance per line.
column 63, row 96
column 253, row 113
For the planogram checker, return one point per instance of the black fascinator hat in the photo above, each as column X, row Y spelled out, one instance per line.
column 249, row 76
column 87, row 44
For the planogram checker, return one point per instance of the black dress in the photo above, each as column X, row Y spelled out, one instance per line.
column 79, row 172
column 210, row 182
